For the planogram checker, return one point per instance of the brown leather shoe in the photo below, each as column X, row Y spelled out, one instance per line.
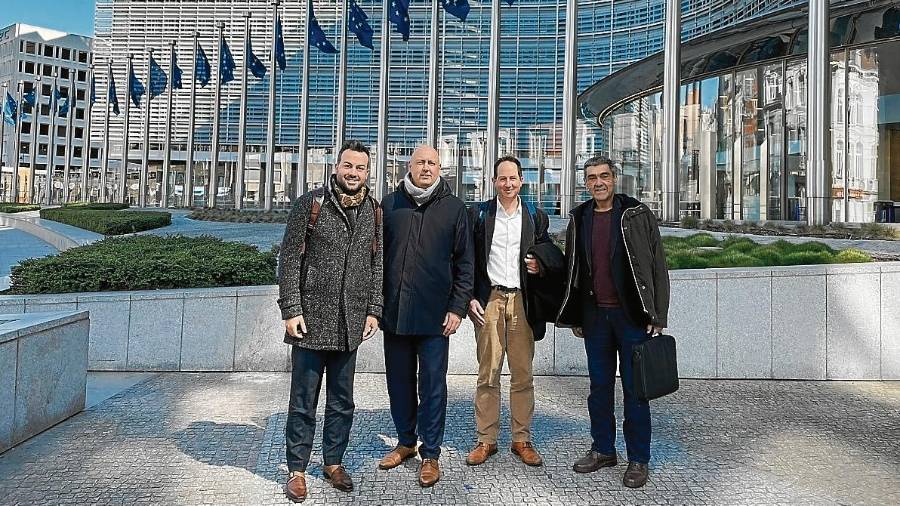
column 480, row 453
column 527, row 453
column 396, row 456
column 429, row 472
column 338, row 477
column 636, row 475
column 295, row 490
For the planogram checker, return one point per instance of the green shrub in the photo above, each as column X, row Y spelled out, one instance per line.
column 813, row 246
column 735, row 259
column 769, row 255
column 689, row 221
column 702, row 240
column 808, row 258
column 97, row 206
column 686, row 260
column 852, row 256
column 145, row 263
column 10, row 207
column 244, row 216
column 738, row 245
column 108, row 222
column 877, row 231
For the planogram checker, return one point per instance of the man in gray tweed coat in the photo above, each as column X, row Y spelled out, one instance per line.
column 331, row 300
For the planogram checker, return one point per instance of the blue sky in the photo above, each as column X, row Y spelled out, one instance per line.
column 74, row 16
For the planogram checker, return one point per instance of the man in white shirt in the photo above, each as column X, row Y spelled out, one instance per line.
column 505, row 228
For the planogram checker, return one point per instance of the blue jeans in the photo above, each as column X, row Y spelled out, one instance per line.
column 425, row 409
column 608, row 331
column 306, row 382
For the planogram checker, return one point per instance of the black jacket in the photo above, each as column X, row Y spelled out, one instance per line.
column 428, row 268
column 335, row 282
column 534, row 232
column 638, row 264
column 546, row 290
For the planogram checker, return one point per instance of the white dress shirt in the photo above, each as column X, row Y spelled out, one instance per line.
column 503, row 261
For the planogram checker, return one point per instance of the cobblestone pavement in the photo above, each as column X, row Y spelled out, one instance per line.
column 218, row 439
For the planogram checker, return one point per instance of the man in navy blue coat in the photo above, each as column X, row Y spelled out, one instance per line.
column 428, row 283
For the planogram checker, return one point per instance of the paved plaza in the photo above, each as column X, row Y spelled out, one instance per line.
column 218, row 439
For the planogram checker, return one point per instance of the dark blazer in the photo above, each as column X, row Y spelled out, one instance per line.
column 335, row 282
column 639, row 268
column 428, row 268
column 534, row 231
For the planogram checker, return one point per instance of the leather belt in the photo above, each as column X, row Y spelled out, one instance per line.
column 505, row 289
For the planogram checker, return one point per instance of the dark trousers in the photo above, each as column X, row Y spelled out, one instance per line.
column 425, row 409
column 306, row 382
column 608, row 331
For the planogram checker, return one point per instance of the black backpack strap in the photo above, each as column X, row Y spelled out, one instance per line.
column 318, row 196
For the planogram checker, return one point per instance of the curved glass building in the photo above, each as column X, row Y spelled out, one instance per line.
column 743, row 138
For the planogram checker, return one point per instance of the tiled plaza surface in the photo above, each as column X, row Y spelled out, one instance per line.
column 218, row 439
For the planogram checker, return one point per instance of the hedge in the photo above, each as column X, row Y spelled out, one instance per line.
column 10, row 207
column 108, row 222
column 145, row 263
column 97, row 206
column 244, row 216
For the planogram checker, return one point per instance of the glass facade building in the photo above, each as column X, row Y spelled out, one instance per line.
column 612, row 34
column 743, row 138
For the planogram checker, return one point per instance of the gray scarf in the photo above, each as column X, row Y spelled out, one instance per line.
column 420, row 195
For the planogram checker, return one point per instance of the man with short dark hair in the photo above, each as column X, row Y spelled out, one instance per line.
column 505, row 231
column 617, row 297
column 427, row 288
column 330, row 284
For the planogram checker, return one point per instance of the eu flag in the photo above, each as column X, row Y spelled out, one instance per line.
column 226, row 64
column 458, row 8
column 201, row 67
column 253, row 62
column 111, row 95
column 158, row 79
column 137, row 89
column 317, row 36
column 30, row 99
column 358, row 24
column 93, row 90
column 9, row 109
column 279, row 47
column 64, row 108
column 55, row 99
column 176, row 74
column 399, row 15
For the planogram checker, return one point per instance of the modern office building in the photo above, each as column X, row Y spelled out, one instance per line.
column 611, row 35
column 743, row 128
column 39, row 58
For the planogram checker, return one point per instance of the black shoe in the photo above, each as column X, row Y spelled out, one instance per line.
column 636, row 475
column 593, row 461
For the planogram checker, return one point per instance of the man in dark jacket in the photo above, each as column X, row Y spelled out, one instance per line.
column 427, row 288
column 505, row 230
column 617, row 297
column 330, row 286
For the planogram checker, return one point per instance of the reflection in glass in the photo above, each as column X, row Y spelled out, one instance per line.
column 795, row 129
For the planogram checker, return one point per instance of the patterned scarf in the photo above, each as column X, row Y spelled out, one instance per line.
column 348, row 200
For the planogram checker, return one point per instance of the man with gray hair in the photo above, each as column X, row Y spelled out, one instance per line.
column 617, row 296
column 428, row 282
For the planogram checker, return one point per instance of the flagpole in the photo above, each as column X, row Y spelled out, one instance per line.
column 145, row 154
column 214, row 146
column 570, row 68
column 187, row 192
column 167, row 156
column 86, row 139
column 3, row 127
column 384, row 81
column 493, row 111
column 242, row 126
column 300, row 187
column 104, row 162
column 342, row 86
column 70, row 119
column 431, row 130
column 51, row 146
column 123, row 168
column 31, row 188
column 269, row 182
column 17, row 142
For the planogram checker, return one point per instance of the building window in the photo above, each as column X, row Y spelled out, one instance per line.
column 66, row 54
column 30, row 47
column 60, row 151
column 79, row 113
column 79, row 133
column 46, row 90
column 42, row 149
column 26, row 128
column 82, row 57
column 76, row 152
column 61, row 132
column 82, row 76
column 47, row 70
column 48, row 50
column 28, row 68
column 45, row 111
column 79, row 95
column 64, row 73
column 43, row 129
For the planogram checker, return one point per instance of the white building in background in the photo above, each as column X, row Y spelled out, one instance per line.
column 32, row 56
